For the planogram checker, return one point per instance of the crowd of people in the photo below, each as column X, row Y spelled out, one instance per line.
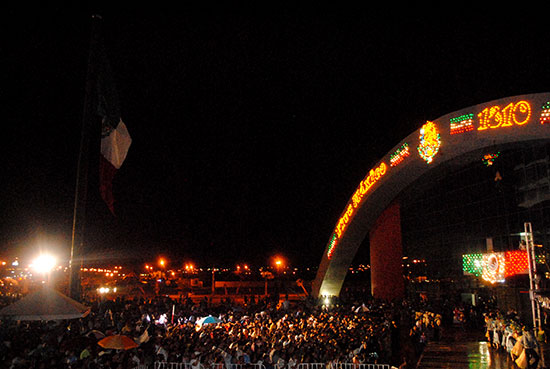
column 506, row 332
column 276, row 335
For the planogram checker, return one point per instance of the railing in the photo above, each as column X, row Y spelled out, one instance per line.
column 359, row 366
column 243, row 366
column 311, row 366
column 166, row 365
column 339, row 366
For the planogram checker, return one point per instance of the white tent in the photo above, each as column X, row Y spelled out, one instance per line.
column 44, row 304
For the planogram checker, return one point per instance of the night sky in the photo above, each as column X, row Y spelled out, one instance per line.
column 250, row 131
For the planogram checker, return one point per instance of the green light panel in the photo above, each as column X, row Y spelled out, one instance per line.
column 472, row 264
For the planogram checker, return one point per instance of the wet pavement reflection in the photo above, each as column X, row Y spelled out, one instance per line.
column 461, row 349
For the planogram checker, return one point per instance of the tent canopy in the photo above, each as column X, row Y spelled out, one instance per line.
column 44, row 304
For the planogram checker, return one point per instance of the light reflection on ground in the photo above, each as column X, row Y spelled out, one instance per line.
column 466, row 350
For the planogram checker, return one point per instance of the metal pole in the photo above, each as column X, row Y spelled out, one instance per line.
column 79, row 211
column 213, row 288
column 533, row 285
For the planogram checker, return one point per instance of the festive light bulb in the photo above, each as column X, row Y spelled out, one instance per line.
column 489, row 159
column 545, row 113
column 461, row 124
column 514, row 113
column 398, row 156
column 430, row 142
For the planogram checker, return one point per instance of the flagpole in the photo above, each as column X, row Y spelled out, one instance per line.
column 81, row 187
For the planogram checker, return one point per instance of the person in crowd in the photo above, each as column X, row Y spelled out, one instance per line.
column 530, row 346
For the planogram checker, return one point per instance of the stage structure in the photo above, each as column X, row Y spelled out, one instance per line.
column 373, row 209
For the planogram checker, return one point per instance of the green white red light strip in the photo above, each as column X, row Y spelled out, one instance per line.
column 496, row 266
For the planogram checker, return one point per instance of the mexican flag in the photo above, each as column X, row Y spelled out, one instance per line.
column 115, row 139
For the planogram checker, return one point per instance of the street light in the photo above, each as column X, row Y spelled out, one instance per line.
column 279, row 263
column 189, row 267
column 44, row 264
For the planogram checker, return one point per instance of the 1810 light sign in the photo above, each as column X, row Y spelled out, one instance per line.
column 514, row 113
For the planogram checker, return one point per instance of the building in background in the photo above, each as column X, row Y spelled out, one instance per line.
column 478, row 203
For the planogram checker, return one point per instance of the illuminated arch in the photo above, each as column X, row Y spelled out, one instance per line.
column 504, row 121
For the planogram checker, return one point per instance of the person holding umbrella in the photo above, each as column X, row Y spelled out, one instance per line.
column 117, row 342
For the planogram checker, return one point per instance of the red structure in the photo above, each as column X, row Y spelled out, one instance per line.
column 386, row 255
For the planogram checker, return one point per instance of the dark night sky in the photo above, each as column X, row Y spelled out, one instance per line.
column 250, row 132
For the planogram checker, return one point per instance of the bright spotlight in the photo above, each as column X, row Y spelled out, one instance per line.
column 103, row 290
column 44, row 263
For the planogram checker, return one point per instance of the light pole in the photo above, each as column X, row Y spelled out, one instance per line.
column 213, row 288
column 279, row 263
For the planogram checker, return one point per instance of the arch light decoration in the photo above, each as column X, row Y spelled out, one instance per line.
column 498, row 122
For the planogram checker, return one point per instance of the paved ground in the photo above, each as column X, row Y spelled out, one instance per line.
column 460, row 349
